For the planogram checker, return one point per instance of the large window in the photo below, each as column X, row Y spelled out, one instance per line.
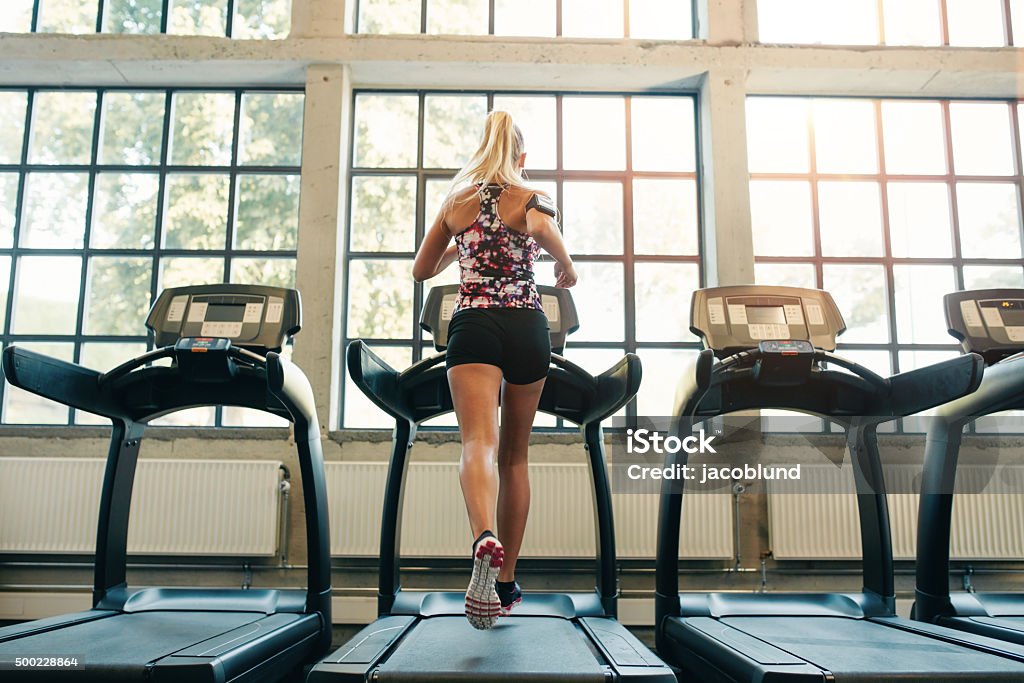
column 109, row 196
column 887, row 204
column 232, row 18
column 646, row 19
column 623, row 171
column 968, row 23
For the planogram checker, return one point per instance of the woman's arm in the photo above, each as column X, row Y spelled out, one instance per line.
column 434, row 254
column 543, row 228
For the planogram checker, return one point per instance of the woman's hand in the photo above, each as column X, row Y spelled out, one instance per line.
column 565, row 276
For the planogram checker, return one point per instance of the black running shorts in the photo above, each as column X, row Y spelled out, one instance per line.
column 514, row 339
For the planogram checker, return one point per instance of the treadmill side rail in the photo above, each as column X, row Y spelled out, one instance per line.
column 354, row 661
column 630, row 658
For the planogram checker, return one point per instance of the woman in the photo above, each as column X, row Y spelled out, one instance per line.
column 498, row 345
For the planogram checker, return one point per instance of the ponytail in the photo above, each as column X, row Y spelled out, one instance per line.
column 494, row 161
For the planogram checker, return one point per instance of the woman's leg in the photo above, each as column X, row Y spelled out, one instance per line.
column 475, row 388
column 518, row 408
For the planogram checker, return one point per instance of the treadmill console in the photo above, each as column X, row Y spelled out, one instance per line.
column 739, row 318
column 254, row 317
column 989, row 322
column 557, row 302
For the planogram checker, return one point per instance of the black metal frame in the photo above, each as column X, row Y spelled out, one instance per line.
column 425, row 6
column 164, row 12
column 887, row 260
column 161, row 169
column 418, row 343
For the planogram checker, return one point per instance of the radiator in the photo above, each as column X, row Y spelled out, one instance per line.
column 561, row 522
column 179, row 507
column 985, row 526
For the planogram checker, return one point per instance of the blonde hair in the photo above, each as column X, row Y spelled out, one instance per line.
column 494, row 161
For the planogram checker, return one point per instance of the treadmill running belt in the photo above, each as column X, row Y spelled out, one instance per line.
column 857, row 651
column 517, row 649
column 118, row 648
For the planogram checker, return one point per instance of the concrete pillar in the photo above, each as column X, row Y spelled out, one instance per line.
column 321, row 243
column 727, row 22
column 320, row 18
column 728, row 244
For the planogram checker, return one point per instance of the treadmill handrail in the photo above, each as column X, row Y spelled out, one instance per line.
column 377, row 379
column 67, row 383
column 1000, row 389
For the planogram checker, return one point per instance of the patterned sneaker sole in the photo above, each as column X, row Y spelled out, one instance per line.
column 482, row 603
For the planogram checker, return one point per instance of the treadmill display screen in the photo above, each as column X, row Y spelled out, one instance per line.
column 225, row 313
column 770, row 315
column 1011, row 311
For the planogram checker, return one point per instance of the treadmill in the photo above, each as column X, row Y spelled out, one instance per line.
column 424, row 636
column 764, row 349
column 224, row 343
column 989, row 322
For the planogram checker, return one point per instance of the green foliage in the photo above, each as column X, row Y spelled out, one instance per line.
column 380, row 299
column 271, row 129
column 389, row 16
column 198, row 17
column 132, row 128
column 117, row 295
column 383, row 213
column 124, row 211
column 12, row 126
column 201, row 128
column 196, row 213
column 262, row 19
column 133, row 16
column 62, row 126
column 268, row 212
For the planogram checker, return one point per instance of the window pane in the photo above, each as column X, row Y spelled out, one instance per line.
column 594, row 133
column 67, row 16
column 592, row 18
column 436, row 192
column 12, row 126
column 267, row 216
column 663, row 134
column 993, row 277
column 389, row 16
column 386, row 130
column 232, row 416
column 975, row 22
column 777, row 135
column 62, row 124
column 859, row 292
column 117, row 295
column 124, row 211
column 912, row 360
column 912, row 22
column 201, row 128
column 844, row 136
column 132, row 125
column 919, row 315
column 661, row 290
column 660, row 20
column 262, row 19
column 919, row 221
column 16, row 17
column 190, row 417
column 5, row 286
column 384, row 213
column 23, row 407
column 54, row 212
column 1017, row 21
column 271, row 272
column 198, row 17
column 600, row 301
column 181, row 271
column 914, row 138
column 46, row 299
column 788, row 274
column 989, row 220
column 380, row 299
column 524, row 18
column 457, row 17
column 781, row 216
column 360, row 412
column 132, row 16
column 271, row 129
column 982, row 143
column 8, row 208
column 850, row 214
column 664, row 216
column 104, row 356
column 839, row 22
column 535, row 117
column 663, row 370
column 593, row 217
column 452, row 129
column 196, row 211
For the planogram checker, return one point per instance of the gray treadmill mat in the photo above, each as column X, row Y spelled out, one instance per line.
column 120, row 647
column 857, row 650
column 517, row 649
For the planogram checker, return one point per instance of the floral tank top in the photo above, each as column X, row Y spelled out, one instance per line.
column 495, row 261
